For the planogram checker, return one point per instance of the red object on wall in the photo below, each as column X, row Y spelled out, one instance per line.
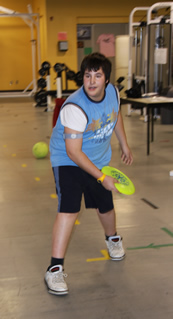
column 58, row 103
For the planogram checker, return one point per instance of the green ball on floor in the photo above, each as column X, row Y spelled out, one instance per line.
column 40, row 150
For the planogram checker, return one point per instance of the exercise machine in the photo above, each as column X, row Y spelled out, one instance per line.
column 150, row 51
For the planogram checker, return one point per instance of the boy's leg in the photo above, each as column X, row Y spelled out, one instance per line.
column 108, row 221
column 62, row 230
column 113, row 242
column 68, row 182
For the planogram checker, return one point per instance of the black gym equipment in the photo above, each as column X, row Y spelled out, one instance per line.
column 46, row 66
column 41, row 98
column 42, row 72
column 118, row 83
column 43, row 95
column 59, row 68
column 41, row 83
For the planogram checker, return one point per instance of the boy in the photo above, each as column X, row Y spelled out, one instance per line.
column 80, row 147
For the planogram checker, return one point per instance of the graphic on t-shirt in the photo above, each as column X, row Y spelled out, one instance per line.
column 103, row 127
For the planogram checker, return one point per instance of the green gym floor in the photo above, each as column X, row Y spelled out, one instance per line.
column 140, row 286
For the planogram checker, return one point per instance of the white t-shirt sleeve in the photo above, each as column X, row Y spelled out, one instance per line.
column 73, row 117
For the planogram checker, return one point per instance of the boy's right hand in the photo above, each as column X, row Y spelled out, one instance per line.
column 109, row 184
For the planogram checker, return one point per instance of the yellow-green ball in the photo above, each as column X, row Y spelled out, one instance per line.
column 40, row 150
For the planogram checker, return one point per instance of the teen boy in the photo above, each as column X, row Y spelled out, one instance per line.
column 80, row 147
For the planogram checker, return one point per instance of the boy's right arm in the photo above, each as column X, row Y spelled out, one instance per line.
column 75, row 153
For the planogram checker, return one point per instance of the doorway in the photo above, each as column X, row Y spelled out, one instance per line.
column 88, row 36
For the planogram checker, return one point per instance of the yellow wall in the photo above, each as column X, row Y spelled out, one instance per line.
column 55, row 16
column 15, row 49
column 65, row 15
column 39, row 6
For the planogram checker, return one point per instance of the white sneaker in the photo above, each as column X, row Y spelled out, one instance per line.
column 115, row 247
column 54, row 279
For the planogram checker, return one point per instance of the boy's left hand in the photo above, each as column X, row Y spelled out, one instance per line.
column 127, row 156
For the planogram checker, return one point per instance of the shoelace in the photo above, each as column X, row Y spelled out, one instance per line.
column 59, row 277
column 113, row 244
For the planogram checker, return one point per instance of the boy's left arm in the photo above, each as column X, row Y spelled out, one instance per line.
column 126, row 155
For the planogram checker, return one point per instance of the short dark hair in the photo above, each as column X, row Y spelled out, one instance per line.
column 95, row 61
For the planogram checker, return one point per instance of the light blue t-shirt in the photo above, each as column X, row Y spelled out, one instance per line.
column 101, row 120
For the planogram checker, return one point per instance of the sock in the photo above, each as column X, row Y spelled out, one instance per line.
column 107, row 237
column 56, row 261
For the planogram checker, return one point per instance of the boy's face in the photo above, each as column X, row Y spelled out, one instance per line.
column 94, row 84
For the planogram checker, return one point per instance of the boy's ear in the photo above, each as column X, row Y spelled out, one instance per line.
column 106, row 83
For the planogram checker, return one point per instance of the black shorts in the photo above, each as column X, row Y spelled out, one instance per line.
column 71, row 182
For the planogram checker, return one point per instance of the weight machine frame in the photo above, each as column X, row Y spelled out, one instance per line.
column 133, row 24
column 31, row 19
column 149, row 21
